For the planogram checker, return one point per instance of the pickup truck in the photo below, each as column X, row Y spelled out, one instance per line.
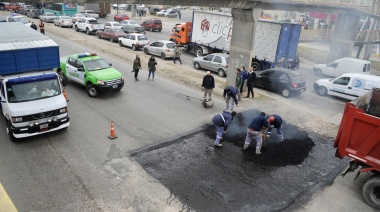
column 90, row 14
column 93, row 72
column 90, row 25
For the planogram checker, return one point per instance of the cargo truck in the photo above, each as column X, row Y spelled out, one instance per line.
column 31, row 94
column 103, row 9
column 358, row 139
column 275, row 43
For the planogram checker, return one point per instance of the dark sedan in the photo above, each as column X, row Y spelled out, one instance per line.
column 284, row 81
column 110, row 33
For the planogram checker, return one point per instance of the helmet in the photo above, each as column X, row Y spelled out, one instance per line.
column 270, row 119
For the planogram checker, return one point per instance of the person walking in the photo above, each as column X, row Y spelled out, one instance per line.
column 152, row 67
column 136, row 67
column 254, row 132
column 177, row 53
column 275, row 121
column 42, row 27
column 208, row 84
column 231, row 95
column 251, row 77
column 221, row 122
column 238, row 83
column 33, row 26
column 244, row 74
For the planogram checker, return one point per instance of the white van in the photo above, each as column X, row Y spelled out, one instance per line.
column 348, row 86
column 342, row 66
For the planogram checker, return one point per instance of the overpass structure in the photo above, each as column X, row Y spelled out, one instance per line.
column 246, row 14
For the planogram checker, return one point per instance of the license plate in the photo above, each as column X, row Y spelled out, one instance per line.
column 114, row 86
column 44, row 126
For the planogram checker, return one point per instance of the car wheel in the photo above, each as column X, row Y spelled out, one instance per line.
column 199, row 52
column 322, row 91
column 121, row 43
column 112, row 40
column 134, row 47
column 221, row 72
column 159, row 30
column 76, row 28
column 371, row 191
column 318, row 72
column 10, row 132
column 151, row 29
column 87, row 31
column 163, row 56
column 197, row 65
column 146, row 51
column 92, row 91
column 285, row 92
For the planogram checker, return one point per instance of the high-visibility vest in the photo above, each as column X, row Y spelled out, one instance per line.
column 42, row 25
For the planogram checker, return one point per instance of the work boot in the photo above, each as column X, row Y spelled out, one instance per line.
column 218, row 145
column 258, row 152
column 245, row 146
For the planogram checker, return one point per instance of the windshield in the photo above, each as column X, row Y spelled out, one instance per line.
column 90, row 11
column 93, row 65
column 142, row 37
column 92, row 21
column 22, row 20
column 66, row 18
column 170, row 45
column 116, row 24
column 32, row 90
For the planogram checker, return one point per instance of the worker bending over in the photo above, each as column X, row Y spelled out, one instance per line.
column 275, row 121
column 221, row 122
column 254, row 132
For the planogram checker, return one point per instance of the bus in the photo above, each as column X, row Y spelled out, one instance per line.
column 61, row 8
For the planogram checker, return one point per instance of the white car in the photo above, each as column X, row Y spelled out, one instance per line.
column 134, row 41
column 90, row 14
column 47, row 17
column 171, row 14
column 161, row 13
column 62, row 21
column 113, row 25
column 162, row 48
column 77, row 16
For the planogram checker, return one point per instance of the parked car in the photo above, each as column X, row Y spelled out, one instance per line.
column 135, row 28
column 90, row 14
column 128, row 22
column 282, row 80
column 110, row 33
column 121, row 17
column 217, row 62
column 112, row 24
column 77, row 16
column 161, row 13
column 120, row 6
column 171, row 14
column 135, row 41
column 152, row 24
column 48, row 17
column 162, row 48
column 33, row 13
column 63, row 21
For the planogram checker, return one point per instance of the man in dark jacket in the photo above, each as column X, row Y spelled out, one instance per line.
column 251, row 82
column 254, row 132
column 275, row 121
column 221, row 122
column 208, row 84
column 33, row 26
column 244, row 75
column 230, row 91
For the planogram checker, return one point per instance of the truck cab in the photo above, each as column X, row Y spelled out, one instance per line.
column 181, row 33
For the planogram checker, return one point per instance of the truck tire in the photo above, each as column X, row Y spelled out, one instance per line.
column 76, row 28
column 199, row 51
column 322, row 91
column 134, row 47
column 163, row 56
column 92, row 91
column 371, row 191
column 221, row 72
column 256, row 66
column 197, row 66
column 285, row 92
column 88, row 31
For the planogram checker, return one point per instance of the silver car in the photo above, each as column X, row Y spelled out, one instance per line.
column 63, row 21
column 217, row 62
column 47, row 17
column 162, row 48
column 171, row 14
column 77, row 16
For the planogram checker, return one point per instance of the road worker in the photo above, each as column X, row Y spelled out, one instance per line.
column 254, row 132
column 230, row 92
column 275, row 121
column 221, row 122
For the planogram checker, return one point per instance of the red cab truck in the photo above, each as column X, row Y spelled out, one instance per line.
column 358, row 138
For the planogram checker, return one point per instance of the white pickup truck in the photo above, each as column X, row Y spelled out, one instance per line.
column 90, row 14
column 90, row 25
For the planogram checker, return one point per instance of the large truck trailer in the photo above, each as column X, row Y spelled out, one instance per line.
column 275, row 43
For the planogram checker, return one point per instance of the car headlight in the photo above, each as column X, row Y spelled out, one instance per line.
column 16, row 119
column 122, row 79
column 63, row 110
column 100, row 82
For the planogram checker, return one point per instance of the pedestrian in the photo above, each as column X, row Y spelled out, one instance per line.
column 62, row 77
column 33, row 26
column 251, row 77
column 221, row 122
column 152, row 67
column 208, row 84
column 254, row 132
column 231, row 95
column 275, row 121
column 136, row 67
column 42, row 27
column 179, row 15
column 140, row 13
column 238, row 83
column 244, row 75
column 177, row 53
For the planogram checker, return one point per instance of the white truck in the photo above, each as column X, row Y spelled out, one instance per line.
column 90, row 14
column 90, row 25
column 31, row 94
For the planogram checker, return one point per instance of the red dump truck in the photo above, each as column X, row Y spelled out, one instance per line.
column 358, row 138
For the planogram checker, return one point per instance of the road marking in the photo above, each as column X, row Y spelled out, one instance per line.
column 6, row 204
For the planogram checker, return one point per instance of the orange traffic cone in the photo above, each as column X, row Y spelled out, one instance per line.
column 112, row 134
column 65, row 95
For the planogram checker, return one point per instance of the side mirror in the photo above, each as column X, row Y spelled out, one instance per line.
column 110, row 64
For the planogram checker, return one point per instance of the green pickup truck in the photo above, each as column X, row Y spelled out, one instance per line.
column 93, row 72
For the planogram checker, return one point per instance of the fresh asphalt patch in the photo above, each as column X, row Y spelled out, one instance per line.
column 228, row 179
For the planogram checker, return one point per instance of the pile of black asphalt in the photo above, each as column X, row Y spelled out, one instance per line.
column 205, row 178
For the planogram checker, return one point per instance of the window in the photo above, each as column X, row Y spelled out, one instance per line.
column 127, row 36
column 268, row 73
column 71, row 61
column 92, row 21
column 160, row 44
column 170, row 45
column 333, row 64
column 283, row 77
column 142, row 37
column 133, row 37
column 209, row 57
column 342, row 81
column 154, row 44
column 217, row 59
column 157, row 22
column 78, row 64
